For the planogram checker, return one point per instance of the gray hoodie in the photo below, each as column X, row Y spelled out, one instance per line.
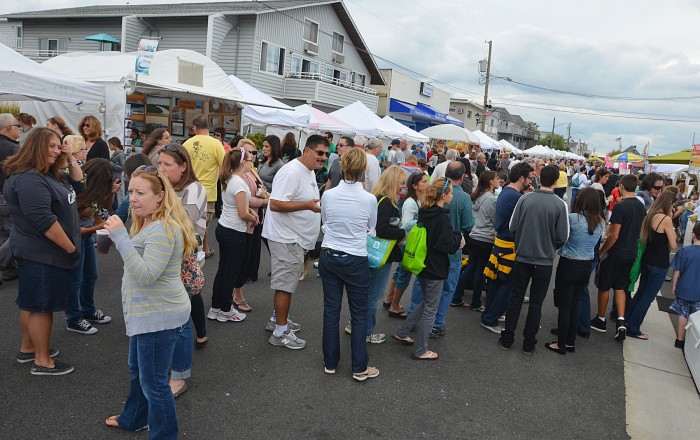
column 484, row 214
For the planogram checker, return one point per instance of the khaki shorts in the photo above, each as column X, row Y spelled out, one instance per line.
column 286, row 260
column 210, row 211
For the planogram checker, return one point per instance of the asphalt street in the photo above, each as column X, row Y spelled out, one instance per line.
column 243, row 387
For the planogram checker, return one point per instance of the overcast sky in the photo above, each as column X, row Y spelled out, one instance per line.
column 622, row 48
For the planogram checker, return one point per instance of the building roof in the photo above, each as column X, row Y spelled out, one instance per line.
column 225, row 8
column 239, row 7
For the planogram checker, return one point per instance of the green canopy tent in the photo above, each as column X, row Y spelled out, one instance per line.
column 680, row 157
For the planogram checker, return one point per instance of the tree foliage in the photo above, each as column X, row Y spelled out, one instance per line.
column 612, row 153
column 558, row 141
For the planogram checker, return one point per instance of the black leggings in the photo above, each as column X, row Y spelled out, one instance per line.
column 197, row 315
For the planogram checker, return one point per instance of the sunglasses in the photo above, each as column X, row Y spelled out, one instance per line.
column 152, row 171
column 658, row 188
column 85, row 125
column 320, row 153
column 173, row 149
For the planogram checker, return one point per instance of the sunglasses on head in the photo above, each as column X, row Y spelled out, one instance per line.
column 150, row 169
column 447, row 183
column 319, row 153
column 173, row 149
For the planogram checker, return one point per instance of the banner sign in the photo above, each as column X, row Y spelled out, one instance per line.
column 146, row 52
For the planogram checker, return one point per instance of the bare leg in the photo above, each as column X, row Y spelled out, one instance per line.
column 390, row 291
column 39, row 327
column 682, row 322
column 396, row 301
column 205, row 242
column 27, row 344
column 603, row 303
column 282, row 302
column 620, row 303
column 238, row 295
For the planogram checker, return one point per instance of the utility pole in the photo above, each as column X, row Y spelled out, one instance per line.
column 486, row 89
column 551, row 136
column 568, row 138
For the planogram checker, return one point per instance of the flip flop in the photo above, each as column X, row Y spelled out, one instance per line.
column 459, row 305
column 398, row 315
column 112, row 421
column 243, row 306
column 201, row 344
column 427, row 356
column 478, row 309
column 407, row 340
column 641, row 336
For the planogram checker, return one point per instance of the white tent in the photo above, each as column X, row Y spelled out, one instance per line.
column 115, row 71
column 362, row 119
column 487, row 142
column 22, row 79
column 403, row 131
column 538, row 151
column 261, row 116
column 451, row 132
column 252, row 96
column 510, row 148
column 321, row 121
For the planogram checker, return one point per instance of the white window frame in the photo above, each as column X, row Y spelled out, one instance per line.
column 342, row 46
column 301, row 73
column 281, row 60
column 318, row 31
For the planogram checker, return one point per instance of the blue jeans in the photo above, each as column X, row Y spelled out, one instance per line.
column 651, row 278
column 181, row 366
column 473, row 274
column 82, row 302
column 375, row 292
column 150, row 402
column 497, row 300
column 573, row 196
column 339, row 270
column 402, row 277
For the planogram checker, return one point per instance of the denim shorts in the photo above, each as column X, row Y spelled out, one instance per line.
column 684, row 307
column 42, row 287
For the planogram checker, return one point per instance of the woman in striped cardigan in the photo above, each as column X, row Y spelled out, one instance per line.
column 156, row 305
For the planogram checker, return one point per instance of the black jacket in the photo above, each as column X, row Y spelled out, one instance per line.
column 385, row 211
column 8, row 148
column 99, row 150
column 442, row 240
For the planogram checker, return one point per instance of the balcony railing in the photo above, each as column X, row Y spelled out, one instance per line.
column 331, row 80
column 11, row 42
column 41, row 53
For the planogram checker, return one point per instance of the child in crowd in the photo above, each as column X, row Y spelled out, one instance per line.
column 686, row 278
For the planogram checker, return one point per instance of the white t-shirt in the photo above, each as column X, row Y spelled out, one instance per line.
column 293, row 183
column 349, row 214
column 229, row 212
column 373, row 172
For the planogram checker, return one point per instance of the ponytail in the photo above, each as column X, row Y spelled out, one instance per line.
column 434, row 192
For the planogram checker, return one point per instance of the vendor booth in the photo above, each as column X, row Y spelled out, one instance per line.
column 453, row 136
column 487, row 143
column 363, row 120
column 679, row 157
column 403, row 131
column 181, row 84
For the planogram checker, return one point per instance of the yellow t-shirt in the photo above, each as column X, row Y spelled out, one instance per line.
column 563, row 180
column 207, row 155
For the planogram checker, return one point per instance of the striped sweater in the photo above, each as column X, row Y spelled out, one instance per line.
column 153, row 297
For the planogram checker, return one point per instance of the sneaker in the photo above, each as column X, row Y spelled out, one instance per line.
column 502, row 318
column 329, row 370
column 348, row 329
column 668, row 278
column 289, row 340
column 529, row 351
column 503, row 345
column 99, row 317
column 316, row 264
column 213, row 313
column 291, row 325
column 493, row 328
column 436, row 332
column 23, row 358
column 598, row 324
column 526, row 300
column 81, row 326
column 232, row 315
column 621, row 332
column 59, row 369
column 376, row 338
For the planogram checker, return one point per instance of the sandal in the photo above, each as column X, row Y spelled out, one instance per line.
column 208, row 255
column 478, row 309
column 427, row 356
column 407, row 340
column 398, row 315
column 369, row 373
column 201, row 342
column 243, row 306
column 641, row 336
column 112, row 421
column 459, row 305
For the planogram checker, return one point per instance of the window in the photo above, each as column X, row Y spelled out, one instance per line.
column 358, row 79
column 310, row 31
column 303, row 68
column 50, row 47
column 337, row 76
column 469, row 114
column 272, row 59
column 338, row 42
column 452, row 109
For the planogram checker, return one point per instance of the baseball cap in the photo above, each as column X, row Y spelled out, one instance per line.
column 419, row 145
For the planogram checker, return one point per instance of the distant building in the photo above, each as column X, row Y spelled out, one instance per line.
column 298, row 51
column 501, row 124
column 465, row 110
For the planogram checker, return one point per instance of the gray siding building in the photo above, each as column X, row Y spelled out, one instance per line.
column 297, row 51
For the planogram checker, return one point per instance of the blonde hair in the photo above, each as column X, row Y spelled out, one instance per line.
column 169, row 212
column 75, row 142
column 434, row 192
column 354, row 164
column 388, row 182
column 245, row 141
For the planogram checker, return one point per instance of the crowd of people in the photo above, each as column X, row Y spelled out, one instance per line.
column 493, row 224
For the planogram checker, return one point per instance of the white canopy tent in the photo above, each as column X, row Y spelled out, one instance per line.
column 321, row 121
column 538, row 151
column 451, row 132
column 362, row 119
column 403, row 131
column 508, row 147
column 22, row 79
column 487, row 142
column 115, row 71
column 262, row 116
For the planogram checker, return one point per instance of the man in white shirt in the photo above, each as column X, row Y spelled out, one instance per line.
column 441, row 167
column 396, row 155
column 292, row 223
column 374, row 149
